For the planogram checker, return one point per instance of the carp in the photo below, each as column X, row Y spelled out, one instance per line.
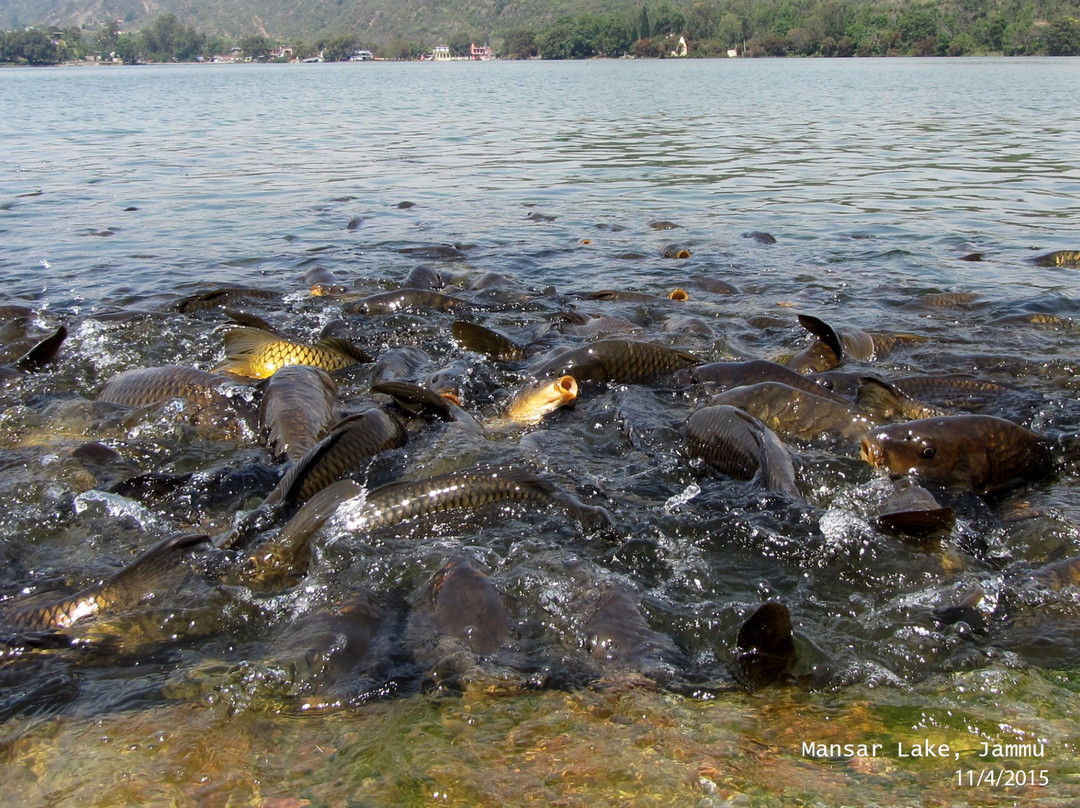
column 616, row 361
column 797, row 413
column 297, row 409
column 352, row 440
column 259, row 354
column 140, row 387
column 742, row 447
column 120, row 591
column 400, row 299
column 982, row 452
column 536, row 399
column 1058, row 258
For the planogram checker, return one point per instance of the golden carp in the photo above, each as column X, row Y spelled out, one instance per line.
column 536, row 399
column 259, row 354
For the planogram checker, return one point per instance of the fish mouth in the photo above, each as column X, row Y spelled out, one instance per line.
column 871, row 452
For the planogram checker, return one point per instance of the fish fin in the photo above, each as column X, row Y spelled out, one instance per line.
column 247, row 340
column 823, row 331
column 492, row 344
column 44, row 352
column 879, row 398
column 345, row 347
column 416, row 399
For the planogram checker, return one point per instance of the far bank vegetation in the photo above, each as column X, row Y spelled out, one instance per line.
column 709, row 28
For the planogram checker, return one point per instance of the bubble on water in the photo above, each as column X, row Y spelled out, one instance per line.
column 678, row 500
column 114, row 506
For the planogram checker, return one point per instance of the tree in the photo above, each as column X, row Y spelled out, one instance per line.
column 644, row 29
column 667, row 20
column 340, row 49
column 520, row 44
column 256, row 47
column 1063, row 37
column 129, row 48
column 460, row 43
column 702, row 20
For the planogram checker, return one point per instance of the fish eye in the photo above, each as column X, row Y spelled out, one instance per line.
column 927, row 452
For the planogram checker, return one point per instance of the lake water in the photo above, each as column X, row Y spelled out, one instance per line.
column 123, row 189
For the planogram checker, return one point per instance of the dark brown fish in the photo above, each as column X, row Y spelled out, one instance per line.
column 913, row 511
column 321, row 648
column 982, row 452
column 624, row 296
column 297, row 409
column 766, row 643
column 221, row 298
column 939, row 300
column 742, row 447
column 582, row 325
column 887, row 402
column 321, row 281
column 461, row 601
column 617, row 634
column 401, row 299
column 121, row 591
column 486, row 341
column 760, row 236
column 725, row 375
column 713, row 285
column 352, row 440
column 789, row 411
column 616, row 361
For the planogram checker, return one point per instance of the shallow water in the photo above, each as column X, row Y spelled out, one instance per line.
column 122, row 190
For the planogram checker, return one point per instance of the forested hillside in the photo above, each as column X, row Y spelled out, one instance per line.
column 162, row 30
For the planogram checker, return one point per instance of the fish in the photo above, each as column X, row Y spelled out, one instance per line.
column 43, row 352
column 789, row 411
column 766, row 643
column 399, row 300
column 617, row 635
column 623, row 296
column 887, row 402
column 120, row 591
column 320, row 649
column 296, row 409
column 221, row 298
column 486, row 341
column 984, row 453
column 538, row 398
column 742, row 447
column 577, row 324
column 913, row 511
column 470, row 489
column 616, row 361
column 259, row 354
column 675, row 251
column 321, row 281
column 461, row 601
column 281, row 561
column 141, row 387
column 760, row 236
column 352, row 440
column 939, row 300
column 738, row 374
column 1058, row 258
